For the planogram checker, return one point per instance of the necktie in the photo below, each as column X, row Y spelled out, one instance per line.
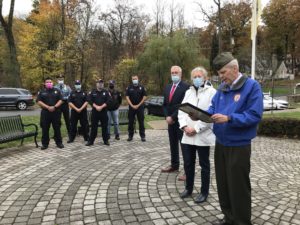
column 172, row 92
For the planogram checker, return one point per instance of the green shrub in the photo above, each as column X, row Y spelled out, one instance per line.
column 280, row 127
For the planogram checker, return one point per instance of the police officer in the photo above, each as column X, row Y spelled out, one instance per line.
column 99, row 99
column 50, row 100
column 135, row 96
column 113, row 109
column 78, row 103
column 65, row 91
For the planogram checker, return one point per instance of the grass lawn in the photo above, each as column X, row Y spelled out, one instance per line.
column 36, row 120
column 293, row 115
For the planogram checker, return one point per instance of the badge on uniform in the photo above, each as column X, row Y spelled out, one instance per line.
column 140, row 88
column 237, row 97
column 103, row 93
column 55, row 92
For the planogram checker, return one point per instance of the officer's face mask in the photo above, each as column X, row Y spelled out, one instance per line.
column 135, row 82
column 111, row 86
column 60, row 82
column 100, row 85
column 198, row 81
column 49, row 85
column 77, row 87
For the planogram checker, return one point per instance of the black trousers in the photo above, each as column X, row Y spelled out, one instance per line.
column 66, row 113
column 48, row 118
column 82, row 117
column 175, row 136
column 232, row 166
column 95, row 118
column 189, row 157
column 140, row 117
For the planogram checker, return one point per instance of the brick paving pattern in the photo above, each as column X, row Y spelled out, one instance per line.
column 122, row 184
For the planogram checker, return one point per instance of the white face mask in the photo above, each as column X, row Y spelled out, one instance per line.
column 78, row 87
column 60, row 82
column 135, row 82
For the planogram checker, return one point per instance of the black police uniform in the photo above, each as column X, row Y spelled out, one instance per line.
column 50, row 97
column 99, row 98
column 78, row 98
column 65, row 91
column 136, row 94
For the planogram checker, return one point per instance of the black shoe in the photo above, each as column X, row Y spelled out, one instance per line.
column 89, row 143
column 60, row 145
column 117, row 137
column 106, row 143
column 70, row 141
column 200, row 198
column 185, row 194
column 143, row 139
column 129, row 139
column 44, row 147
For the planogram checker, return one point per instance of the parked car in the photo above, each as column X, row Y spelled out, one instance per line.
column 154, row 106
column 16, row 97
column 277, row 104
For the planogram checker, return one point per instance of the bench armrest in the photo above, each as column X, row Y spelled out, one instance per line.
column 32, row 124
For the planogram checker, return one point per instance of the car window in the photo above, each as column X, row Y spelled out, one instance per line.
column 153, row 100
column 25, row 92
column 3, row 91
column 9, row 91
column 160, row 100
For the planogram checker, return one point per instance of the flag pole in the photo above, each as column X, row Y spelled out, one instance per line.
column 253, row 37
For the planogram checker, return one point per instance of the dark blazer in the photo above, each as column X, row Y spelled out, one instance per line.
column 170, row 108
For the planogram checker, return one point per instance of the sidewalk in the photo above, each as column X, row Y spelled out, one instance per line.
column 122, row 184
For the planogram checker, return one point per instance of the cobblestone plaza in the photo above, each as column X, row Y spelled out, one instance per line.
column 123, row 184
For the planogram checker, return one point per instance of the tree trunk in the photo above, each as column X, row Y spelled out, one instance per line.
column 14, row 68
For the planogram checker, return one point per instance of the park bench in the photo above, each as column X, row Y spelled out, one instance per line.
column 123, row 117
column 12, row 128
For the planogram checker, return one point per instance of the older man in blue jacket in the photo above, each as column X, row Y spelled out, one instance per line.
column 236, row 111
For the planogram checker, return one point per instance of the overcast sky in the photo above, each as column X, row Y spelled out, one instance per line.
column 192, row 15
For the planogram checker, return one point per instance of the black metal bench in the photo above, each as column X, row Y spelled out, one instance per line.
column 123, row 117
column 12, row 129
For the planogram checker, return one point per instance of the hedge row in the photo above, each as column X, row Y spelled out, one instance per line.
column 279, row 127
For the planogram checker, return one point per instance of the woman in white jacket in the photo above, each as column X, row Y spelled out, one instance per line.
column 198, row 135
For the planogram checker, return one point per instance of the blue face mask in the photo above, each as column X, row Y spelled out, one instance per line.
column 197, row 81
column 175, row 79
column 135, row 82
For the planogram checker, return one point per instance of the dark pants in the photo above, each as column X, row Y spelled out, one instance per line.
column 175, row 136
column 233, row 182
column 140, row 117
column 48, row 118
column 189, row 157
column 66, row 113
column 82, row 117
column 95, row 118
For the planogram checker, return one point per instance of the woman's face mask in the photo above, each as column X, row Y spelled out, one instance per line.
column 49, row 85
column 197, row 81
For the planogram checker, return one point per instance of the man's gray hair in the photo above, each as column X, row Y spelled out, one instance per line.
column 178, row 67
column 233, row 63
column 200, row 69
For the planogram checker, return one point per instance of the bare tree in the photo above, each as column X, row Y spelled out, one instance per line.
column 159, row 12
column 14, row 72
column 209, row 16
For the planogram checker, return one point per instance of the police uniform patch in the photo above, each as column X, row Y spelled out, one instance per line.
column 237, row 97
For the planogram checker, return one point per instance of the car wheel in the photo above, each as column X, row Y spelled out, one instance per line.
column 146, row 111
column 22, row 105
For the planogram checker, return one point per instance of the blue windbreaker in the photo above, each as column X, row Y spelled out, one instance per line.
column 244, row 104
